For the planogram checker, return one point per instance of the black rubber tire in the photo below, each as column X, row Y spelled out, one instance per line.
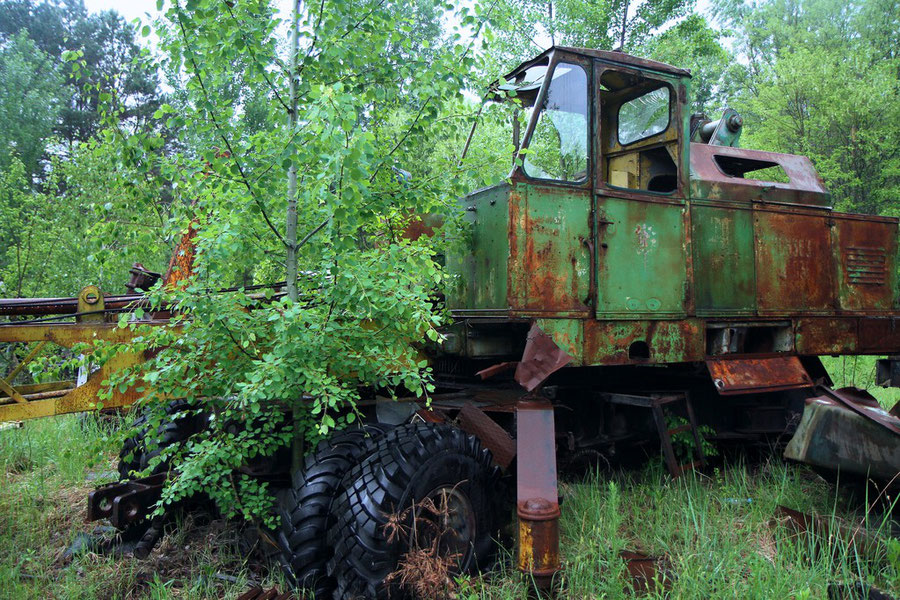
column 135, row 456
column 305, row 507
column 408, row 464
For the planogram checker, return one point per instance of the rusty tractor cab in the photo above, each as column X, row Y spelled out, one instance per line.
column 637, row 277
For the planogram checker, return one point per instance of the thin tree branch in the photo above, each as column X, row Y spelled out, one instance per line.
column 232, row 153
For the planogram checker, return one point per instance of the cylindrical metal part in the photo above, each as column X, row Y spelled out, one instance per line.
column 539, row 540
column 708, row 129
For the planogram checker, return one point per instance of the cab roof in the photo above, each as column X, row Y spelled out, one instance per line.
column 614, row 56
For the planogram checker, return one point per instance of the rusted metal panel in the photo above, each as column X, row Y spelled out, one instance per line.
column 641, row 259
column 793, row 266
column 542, row 358
column 181, row 266
column 613, row 342
column 863, row 403
column 879, row 335
column 756, row 375
column 865, row 252
column 709, row 181
column 568, row 334
column 724, row 267
column 493, row 437
column 537, row 496
column 824, row 335
column 549, row 258
column 648, row 573
column 482, row 271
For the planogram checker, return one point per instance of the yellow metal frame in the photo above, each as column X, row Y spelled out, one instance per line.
column 31, row 401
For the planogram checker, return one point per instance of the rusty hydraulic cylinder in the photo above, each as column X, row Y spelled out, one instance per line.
column 537, row 496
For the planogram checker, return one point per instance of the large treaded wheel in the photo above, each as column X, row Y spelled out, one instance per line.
column 305, row 507
column 135, row 455
column 412, row 465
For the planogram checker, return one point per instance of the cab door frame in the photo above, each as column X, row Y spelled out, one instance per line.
column 636, row 231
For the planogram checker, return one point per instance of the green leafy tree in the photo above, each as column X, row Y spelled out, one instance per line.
column 108, row 45
column 822, row 78
column 360, row 122
column 31, row 98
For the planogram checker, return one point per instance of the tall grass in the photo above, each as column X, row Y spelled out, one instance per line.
column 718, row 532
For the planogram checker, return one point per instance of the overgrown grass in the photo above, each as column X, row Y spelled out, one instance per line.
column 717, row 531
column 46, row 475
column 719, row 534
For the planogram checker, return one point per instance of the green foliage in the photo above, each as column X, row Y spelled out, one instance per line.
column 107, row 44
column 31, row 96
column 822, row 79
column 371, row 148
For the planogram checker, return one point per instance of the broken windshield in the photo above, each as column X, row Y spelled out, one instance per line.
column 559, row 143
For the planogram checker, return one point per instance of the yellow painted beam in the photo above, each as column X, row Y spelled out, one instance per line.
column 80, row 399
column 10, row 391
column 65, row 334
column 34, row 352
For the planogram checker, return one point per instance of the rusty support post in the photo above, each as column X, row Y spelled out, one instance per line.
column 537, row 498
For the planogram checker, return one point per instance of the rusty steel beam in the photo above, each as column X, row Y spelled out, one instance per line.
column 537, row 495
column 64, row 306
column 474, row 421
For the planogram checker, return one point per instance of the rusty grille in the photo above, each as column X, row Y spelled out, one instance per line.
column 865, row 266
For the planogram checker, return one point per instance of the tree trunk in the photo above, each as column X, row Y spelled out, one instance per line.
column 291, row 226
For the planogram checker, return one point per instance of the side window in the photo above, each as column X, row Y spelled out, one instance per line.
column 644, row 116
column 558, row 148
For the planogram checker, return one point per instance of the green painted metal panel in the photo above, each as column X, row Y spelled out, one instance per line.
column 724, row 264
column 550, row 262
column 480, row 275
column 641, row 259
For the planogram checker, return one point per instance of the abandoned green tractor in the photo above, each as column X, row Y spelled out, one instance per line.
column 635, row 269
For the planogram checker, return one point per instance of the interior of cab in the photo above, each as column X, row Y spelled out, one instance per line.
column 639, row 139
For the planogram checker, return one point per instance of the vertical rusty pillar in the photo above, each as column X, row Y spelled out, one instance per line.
column 537, row 497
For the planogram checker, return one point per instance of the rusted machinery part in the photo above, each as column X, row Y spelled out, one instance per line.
column 258, row 593
column 537, row 496
column 127, row 503
column 846, row 431
column 64, row 306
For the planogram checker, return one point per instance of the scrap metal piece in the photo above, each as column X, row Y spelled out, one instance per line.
column 537, row 496
column 541, row 358
column 844, row 431
column 826, row 531
column 858, row 590
column 497, row 369
column 257, row 593
column 864, row 404
column 125, row 503
column 648, row 573
column 141, row 278
column 474, row 421
column 757, row 375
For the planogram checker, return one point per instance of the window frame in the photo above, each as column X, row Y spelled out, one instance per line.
column 663, row 86
column 678, row 87
column 585, row 63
